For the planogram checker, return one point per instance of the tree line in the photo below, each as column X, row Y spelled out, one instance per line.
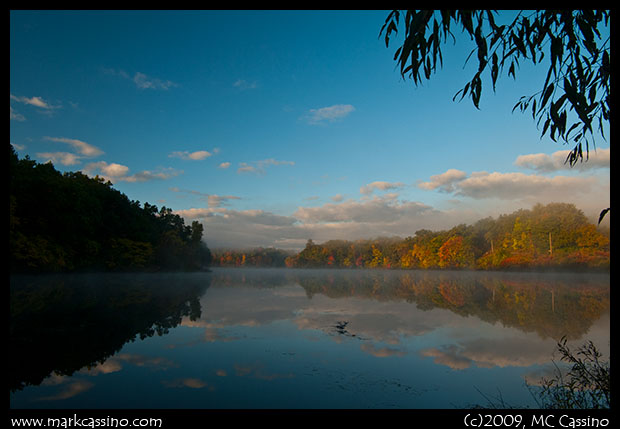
column 62, row 222
column 556, row 235
column 258, row 257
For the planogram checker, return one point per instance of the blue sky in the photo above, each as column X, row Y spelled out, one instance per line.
column 273, row 127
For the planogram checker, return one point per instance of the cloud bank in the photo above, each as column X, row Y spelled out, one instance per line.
column 347, row 220
column 381, row 211
column 543, row 163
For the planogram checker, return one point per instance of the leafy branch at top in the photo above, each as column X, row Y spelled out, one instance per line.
column 578, row 57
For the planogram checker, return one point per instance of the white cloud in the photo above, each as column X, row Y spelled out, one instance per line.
column 244, row 167
column 114, row 72
column 329, row 114
column 237, row 217
column 543, row 163
column 259, row 167
column 444, row 181
column 510, row 186
column 146, row 175
column 64, row 158
column 119, row 173
column 115, row 170
column 17, row 116
column 243, row 84
column 143, row 81
column 380, row 185
column 217, row 200
column 224, row 165
column 191, row 156
column 85, row 149
column 384, row 209
column 110, row 171
column 33, row 101
column 38, row 102
column 200, row 213
column 212, row 200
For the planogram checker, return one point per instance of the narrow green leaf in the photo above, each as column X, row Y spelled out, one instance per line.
column 546, row 95
column 445, row 21
column 545, row 127
column 397, row 53
column 476, row 90
column 467, row 21
column 552, row 133
column 498, row 34
column 602, row 215
column 519, row 44
column 494, row 69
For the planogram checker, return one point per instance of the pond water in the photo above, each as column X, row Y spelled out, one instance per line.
column 289, row 338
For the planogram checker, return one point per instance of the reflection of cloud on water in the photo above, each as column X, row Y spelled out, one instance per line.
column 489, row 353
column 367, row 319
column 70, row 390
column 371, row 322
column 474, row 341
column 381, row 322
column 54, row 380
column 111, row 365
column 520, row 352
column 381, row 351
column 223, row 307
column 449, row 356
column 258, row 371
column 535, row 377
column 213, row 335
column 192, row 383
column 155, row 363
column 115, row 364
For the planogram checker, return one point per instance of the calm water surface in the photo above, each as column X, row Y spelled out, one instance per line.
column 282, row 338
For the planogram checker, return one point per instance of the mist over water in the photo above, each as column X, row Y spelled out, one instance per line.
column 248, row 338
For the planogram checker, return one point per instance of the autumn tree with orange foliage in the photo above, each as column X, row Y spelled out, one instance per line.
column 556, row 235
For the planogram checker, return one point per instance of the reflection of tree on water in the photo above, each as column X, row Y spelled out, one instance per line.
column 551, row 305
column 60, row 324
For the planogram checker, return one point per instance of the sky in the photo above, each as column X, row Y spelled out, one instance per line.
column 273, row 127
